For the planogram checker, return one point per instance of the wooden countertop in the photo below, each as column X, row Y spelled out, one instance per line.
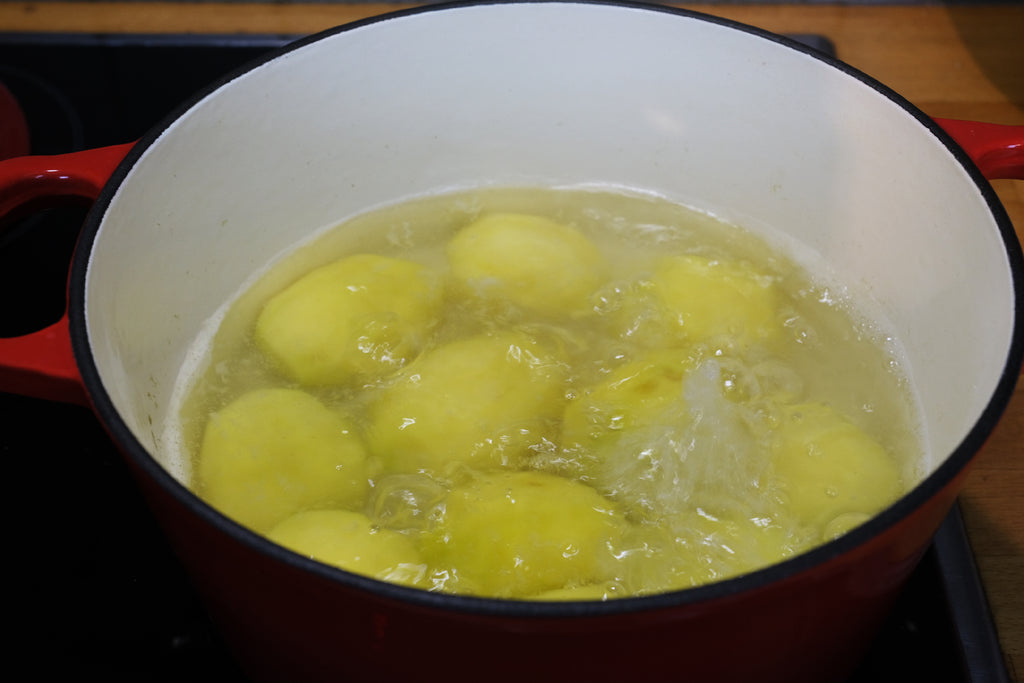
column 961, row 61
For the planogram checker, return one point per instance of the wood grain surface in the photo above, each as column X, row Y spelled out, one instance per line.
column 959, row 61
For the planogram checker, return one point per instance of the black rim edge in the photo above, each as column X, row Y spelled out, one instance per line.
column 786, row 570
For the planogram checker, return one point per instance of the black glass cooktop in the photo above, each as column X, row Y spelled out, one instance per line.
column 94, row 589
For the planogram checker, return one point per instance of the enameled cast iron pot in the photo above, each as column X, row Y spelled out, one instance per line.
column 759, row 130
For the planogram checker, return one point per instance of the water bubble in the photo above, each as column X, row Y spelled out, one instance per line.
column 407, row 501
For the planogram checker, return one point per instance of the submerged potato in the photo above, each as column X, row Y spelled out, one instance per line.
column 597, row 592
column 274, row 452
column 633, row 434
column 732, row 544
column 515, row 534
column 712, row 299
column 480, row 401
column 349, row 540
column 532, row 262
column 640, row 394
column 695, row 547
column 361, row 315
column 829, row 471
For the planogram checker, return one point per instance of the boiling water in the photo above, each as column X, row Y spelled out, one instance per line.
column 672, row 437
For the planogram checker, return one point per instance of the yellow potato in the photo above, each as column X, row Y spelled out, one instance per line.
column 349, row 540
column 731, row 544
column 274, row 452
column 639, row 394
column 362, row 315
column 626, row 433
column 632, row 312
column 516, row 534
column 531, row 262
column 827, row 469
column 844, row 523
column 596, row 592
column 481, row 401
column 717, row 300
column 695, row 547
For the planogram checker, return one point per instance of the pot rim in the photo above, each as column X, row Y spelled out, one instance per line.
column 930, row 486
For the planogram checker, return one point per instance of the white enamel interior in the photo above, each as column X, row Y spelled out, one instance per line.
column 718, row 118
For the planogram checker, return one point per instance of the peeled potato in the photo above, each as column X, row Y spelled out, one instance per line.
column 362, row 315
column 628, row 432
column 634, row 396
column 532, row 262
column 716, row 299
column 274, row 452
column 695, row 547
column 829, row 471
column 596, row 592
column 349, row 540
column 515, row 534
column 632, row 311
column 844, row 523
column 480, row 401
column 730, row 544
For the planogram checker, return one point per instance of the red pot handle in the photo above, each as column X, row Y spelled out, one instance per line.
column 997, row 150
column 41, row 364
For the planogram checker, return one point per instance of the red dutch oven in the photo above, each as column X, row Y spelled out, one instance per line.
column 748, row 125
